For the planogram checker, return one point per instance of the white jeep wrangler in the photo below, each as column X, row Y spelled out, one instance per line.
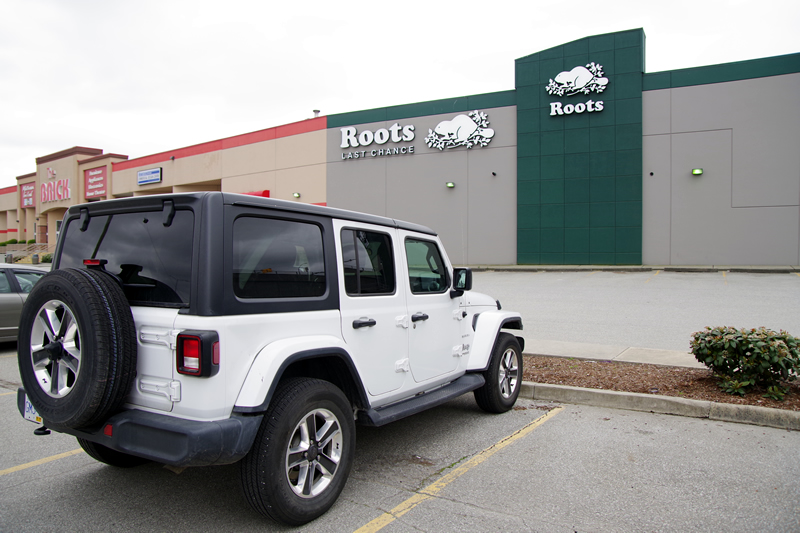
column 209, row 328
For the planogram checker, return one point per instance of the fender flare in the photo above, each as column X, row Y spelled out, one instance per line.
column 273, row 360
column 487, row 328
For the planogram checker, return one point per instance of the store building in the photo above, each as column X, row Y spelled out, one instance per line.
column 588, row 160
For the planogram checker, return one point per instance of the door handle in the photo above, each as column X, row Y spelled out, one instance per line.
column 363, row 323
column 416, row 317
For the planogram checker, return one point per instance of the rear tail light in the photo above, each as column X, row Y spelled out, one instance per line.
column 198, row 353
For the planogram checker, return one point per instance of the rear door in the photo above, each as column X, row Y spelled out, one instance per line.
column 373, row 304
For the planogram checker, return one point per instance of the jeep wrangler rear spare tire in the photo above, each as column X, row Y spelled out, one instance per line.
column 76, row 347
column 503, row 377
column 302, row 454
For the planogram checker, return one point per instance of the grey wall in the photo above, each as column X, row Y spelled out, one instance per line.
column 477, row 220
column 745, row 208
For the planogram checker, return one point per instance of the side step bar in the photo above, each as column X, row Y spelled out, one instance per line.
column 384, row 415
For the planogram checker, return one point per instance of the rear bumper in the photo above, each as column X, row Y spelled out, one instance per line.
column 169, row 440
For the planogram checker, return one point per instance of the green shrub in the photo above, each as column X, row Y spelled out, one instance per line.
column 47, row 258
column 744, row 359
column 12, row 241
column 32, row 241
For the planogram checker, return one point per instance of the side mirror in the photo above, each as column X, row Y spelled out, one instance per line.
column 462, row 281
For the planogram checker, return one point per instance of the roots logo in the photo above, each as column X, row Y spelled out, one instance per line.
column 580, row 80
column 463, row 130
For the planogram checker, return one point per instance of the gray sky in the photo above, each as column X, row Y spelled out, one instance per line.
column 141, row 77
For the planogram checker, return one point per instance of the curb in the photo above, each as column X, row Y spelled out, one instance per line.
column 667, row 405
column 755, row 269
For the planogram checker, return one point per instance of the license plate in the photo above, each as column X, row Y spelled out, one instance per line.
column 30, row 412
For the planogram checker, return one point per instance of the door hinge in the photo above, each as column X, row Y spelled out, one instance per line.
column 460, row 350
column 160, row 387
column 164, row 337
column 402, row 366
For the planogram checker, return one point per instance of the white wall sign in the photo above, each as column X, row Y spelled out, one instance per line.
column 579, row 80
column 463, row 130
column 153, row 175
column 351, row 138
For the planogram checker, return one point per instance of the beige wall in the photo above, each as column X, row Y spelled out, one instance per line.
column 745, row 207
column 283, row 166
column 476, row 220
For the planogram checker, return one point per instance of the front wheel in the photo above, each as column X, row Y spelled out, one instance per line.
column 302, row 454
column 503, row 377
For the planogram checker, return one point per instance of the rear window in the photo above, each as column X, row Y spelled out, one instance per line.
column 153, row 261
column 277, row 259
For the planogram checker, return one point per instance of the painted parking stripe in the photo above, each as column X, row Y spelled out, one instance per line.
column 434, row 488
column 40, row 462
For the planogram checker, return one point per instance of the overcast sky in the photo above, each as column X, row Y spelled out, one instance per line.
column 141, row 77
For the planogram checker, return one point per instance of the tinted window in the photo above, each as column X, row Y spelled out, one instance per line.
column 153, row 261
column 426, row 270
column 277, row 259
column 368, row 262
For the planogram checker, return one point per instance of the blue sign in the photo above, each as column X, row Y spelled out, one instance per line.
column 149, row 176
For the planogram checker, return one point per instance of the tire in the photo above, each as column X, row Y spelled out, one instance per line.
column 273, row 472
column 76, row 348
column 110, row 457
column 503, row 377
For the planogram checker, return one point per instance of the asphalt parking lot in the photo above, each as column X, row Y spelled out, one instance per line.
column 541, row 467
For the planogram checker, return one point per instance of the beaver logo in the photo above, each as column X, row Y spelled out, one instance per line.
column 578, row 80
column 463, row 130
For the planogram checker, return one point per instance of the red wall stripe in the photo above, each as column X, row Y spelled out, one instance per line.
column 287, row 130
column 9, row 190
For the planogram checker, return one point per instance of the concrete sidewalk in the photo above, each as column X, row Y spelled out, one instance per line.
column 603, row 352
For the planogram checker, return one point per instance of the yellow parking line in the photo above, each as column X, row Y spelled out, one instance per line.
column 653, row 276
column 7, row 393
column 434, row 488
column 39, row 462
column 7, row 356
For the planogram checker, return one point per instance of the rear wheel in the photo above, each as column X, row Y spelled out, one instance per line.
column 503, row 377
column 302, row 454
column 108, row 456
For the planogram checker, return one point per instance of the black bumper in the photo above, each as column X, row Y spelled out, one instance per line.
column 170, row 440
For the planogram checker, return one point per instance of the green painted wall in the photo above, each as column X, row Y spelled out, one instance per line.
column 739, row 70
column 421, row 109
column 579, row 176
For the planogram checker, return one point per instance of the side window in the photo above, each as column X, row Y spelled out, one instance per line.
column 368, row 262
column 426, row 270
column 277, row 259
column 28, row 279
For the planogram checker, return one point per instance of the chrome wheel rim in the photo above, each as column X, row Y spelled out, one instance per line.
column 55, row 349
column 314, row 452
column 509, row 373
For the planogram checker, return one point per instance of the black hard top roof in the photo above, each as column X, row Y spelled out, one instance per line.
column 156, row 201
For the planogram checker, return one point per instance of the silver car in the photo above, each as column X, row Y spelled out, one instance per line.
column 16, row 281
